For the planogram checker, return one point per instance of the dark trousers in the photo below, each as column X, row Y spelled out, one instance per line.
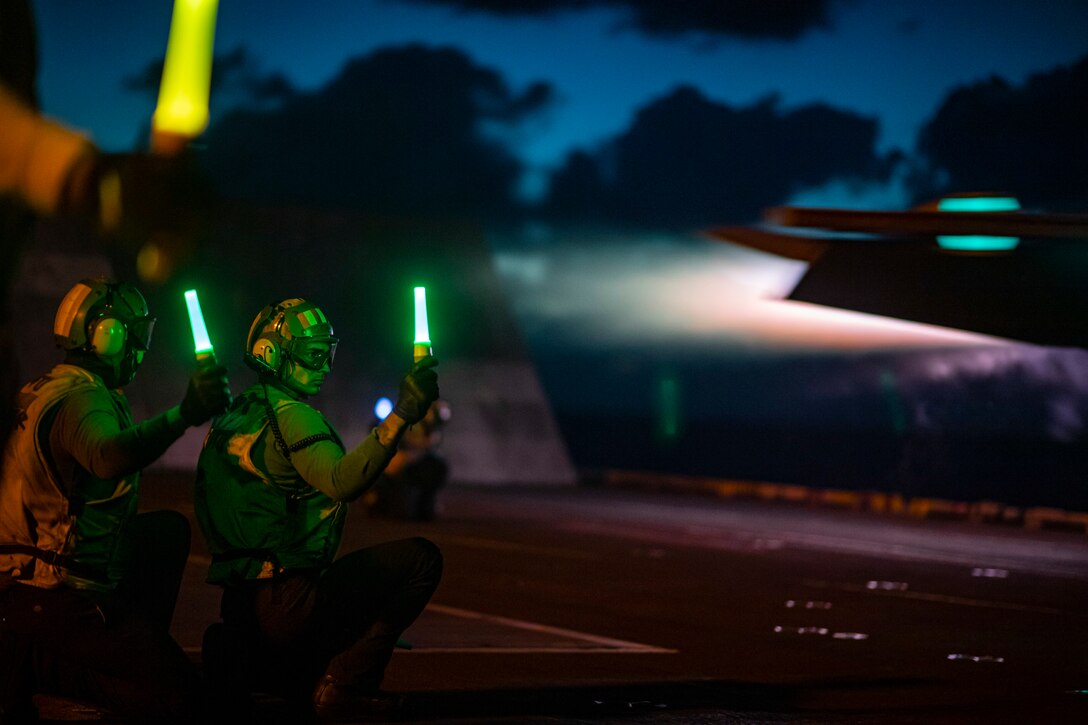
column 343, row 621
column 113, row 650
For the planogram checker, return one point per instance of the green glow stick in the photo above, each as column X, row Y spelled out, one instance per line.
column 182, row 110
column 421, row 347
column 201, row 341
column 978, row 203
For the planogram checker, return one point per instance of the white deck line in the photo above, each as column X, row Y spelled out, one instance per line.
column 942, row 598
column 608, row 644
column 537, row 650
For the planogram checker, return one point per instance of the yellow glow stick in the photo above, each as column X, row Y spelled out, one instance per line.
column 182, row 110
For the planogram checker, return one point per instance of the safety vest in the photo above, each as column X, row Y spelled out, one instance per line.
column 51, row 531
column 257, row 524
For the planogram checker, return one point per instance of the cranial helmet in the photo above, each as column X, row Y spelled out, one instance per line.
column 284, row 334
column 107, row 319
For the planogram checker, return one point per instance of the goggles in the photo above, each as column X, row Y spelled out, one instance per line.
column 140, row 332
column 314, row 354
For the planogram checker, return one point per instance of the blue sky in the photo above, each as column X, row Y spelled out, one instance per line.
column 889, row 59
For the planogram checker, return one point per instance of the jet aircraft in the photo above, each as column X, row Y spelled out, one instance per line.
column 975, row 262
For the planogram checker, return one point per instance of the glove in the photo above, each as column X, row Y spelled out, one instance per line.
column 208, row 394
column 418, row 390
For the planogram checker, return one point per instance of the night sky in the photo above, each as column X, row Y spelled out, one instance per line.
column 586, row 69
column 574, row 149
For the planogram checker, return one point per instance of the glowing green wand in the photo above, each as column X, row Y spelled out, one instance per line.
column 421, row 348
column 201, row 341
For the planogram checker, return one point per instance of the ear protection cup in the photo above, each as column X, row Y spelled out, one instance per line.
column 266, row 354
column 107, row 336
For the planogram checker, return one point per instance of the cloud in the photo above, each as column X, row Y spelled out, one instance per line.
column 1028, row 140
column 239, row 72
column 753, row 19
column 399, row 131
column 687, row 161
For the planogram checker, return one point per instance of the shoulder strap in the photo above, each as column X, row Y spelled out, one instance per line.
column 274, row 424
column 309, row 441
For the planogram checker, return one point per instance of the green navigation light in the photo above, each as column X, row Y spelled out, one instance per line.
column 978, row 242
column 978, row 203
column 422, row 344
column 201, row 341
column 186, row 74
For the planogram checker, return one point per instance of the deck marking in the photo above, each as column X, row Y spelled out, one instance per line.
column 940, row 598
column 608, row 644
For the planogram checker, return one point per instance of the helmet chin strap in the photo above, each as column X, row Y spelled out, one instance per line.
column 116, row 377
column 284, row 379
column 287, row 390
column 126, row 365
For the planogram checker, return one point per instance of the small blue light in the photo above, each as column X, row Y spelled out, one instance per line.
column 383, row 408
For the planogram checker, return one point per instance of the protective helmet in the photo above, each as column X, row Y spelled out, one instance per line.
column 107, row 319
column 283, row 334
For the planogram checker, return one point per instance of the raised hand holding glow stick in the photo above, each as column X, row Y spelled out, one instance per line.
column 209, row 390
column 421, row 347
